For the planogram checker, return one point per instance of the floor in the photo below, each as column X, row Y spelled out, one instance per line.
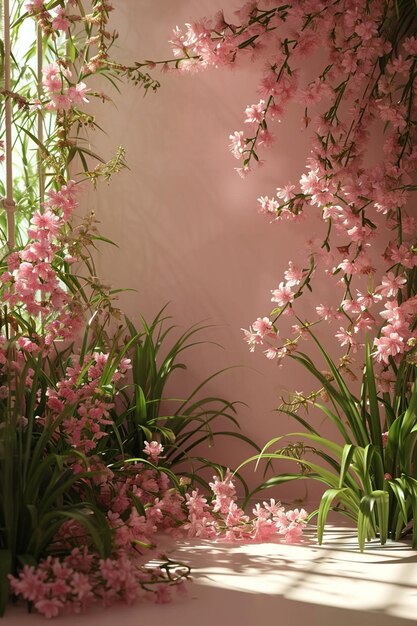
column 245, row 585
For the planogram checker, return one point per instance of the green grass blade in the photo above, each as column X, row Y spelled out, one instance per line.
column 374, row 419
column 324, row 508
column 5, row 570
column 347, row 455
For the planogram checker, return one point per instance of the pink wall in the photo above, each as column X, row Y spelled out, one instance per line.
column 187, row 225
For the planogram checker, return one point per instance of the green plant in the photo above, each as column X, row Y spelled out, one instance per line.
column 146, row 413
column 38, row 488
column 372, row 475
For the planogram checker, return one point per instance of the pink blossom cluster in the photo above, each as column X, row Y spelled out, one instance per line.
column 81, row 389
column 362, row 203
column 223, row 518
column 197, row 46
column 70, row 584
column 73, row 583
column 56, row 20
column 31, row 284
column 61, row 93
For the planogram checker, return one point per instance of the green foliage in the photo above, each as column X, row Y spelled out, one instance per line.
column 146, row 413
column 371, row 482
column 38, row 488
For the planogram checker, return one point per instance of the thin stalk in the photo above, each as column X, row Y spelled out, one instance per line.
column 8, row 202
column 39, row 65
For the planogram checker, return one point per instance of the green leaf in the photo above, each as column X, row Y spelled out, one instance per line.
column 382, row 504
column 5, row 570
column 397, row 488
column 374, row 419
column 365, row 520
column 347, row 455
column 272, row 482
column 324, row 508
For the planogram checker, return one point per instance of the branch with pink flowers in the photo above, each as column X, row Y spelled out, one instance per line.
column 363, row 96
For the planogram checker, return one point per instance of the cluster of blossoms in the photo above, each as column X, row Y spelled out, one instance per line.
column 57, row 20
column 61, row 93
column 73, row 583
column 135, row 569
column 223, row 518
column 82, row 388
column 369, row 236
column 31, row 284
column 60, row 20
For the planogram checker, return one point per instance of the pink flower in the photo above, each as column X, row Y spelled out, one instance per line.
column 293, row 275
column 265, row 138
column 153, row 450
column 52, row 78
column 283, row 295
column 364, row 322
column 271, row 352
column 237, row 144
column 388, row 346
column 332, row 212
column 293, row 534
column 34, row 6
column 263, row 326
column 60, row 101
column 77, row 94
column 326, row 312
column 252, row 338
column 344, row 337
column 49, row 607
column 255, row 113
column 315, row 92
column 390, row 285
column 399, row 65
column 296, row 515
column 267, row 205
column 286, row 193
column 410, row 45
column 353, row 307
column 366, row 30
column 60, row 20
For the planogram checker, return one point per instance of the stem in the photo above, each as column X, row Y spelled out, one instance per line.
column 8, row 201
